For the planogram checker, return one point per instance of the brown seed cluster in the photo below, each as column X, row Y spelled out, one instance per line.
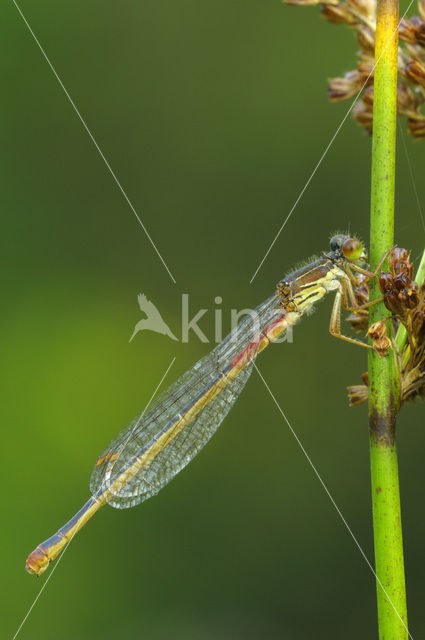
column 358, row 393
column 401, row 294
column 406, row 301
column 360, row 15
column 378, row 334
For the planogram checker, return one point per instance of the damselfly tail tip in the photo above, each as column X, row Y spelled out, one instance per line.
column 37, row 562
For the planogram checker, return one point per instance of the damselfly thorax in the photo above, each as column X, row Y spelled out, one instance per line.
column 302, row 288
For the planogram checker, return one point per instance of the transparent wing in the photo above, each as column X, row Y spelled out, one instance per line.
column 146, row 428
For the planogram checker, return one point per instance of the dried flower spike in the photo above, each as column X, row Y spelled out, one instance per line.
column 346, row 87
column 378, row 334
column 338, row 13
column 406, row 301
column 360, row 15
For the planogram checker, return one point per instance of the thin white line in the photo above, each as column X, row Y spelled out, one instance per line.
column 117, row 182
column 109, row 470
column 331, row 498
column 78, row 528
column 156, row 390
column 45, row 583
column 412, row 177
column 328, row 147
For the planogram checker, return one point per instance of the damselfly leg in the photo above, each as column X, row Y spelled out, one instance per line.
column 345, row 294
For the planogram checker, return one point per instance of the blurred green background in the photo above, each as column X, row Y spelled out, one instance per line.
column 212, row 115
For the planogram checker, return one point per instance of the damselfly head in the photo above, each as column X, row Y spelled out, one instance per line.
column 348, row 248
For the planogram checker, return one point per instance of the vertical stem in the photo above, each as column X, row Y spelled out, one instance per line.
column 383, row 375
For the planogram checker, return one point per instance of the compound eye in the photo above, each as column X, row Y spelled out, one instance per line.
column 352, row 249
column 336, row 242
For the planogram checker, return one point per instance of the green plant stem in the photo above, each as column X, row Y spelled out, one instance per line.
column 384, row 389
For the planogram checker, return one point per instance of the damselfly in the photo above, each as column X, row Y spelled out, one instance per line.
column 158, row 443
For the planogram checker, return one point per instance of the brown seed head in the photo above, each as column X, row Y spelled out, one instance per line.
column 359, row 320
column 419, row 25
column 303, row 3
column 401, row 282
column 377, row 330
column 412, row 296
column 366, row 67
column 346, row 87
column 338, row 13
column 406, row 301
column 386, row 282
column 407, row 31
column 360, row 15
column 364, row 7
column 382, row 345
column 368, row 96
column 366, row 38
column 399, row 262
column 416, row 127
column 357, row 394
column 418, row 323
column 405, row 98
column 362, row 112
column 415, row 71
